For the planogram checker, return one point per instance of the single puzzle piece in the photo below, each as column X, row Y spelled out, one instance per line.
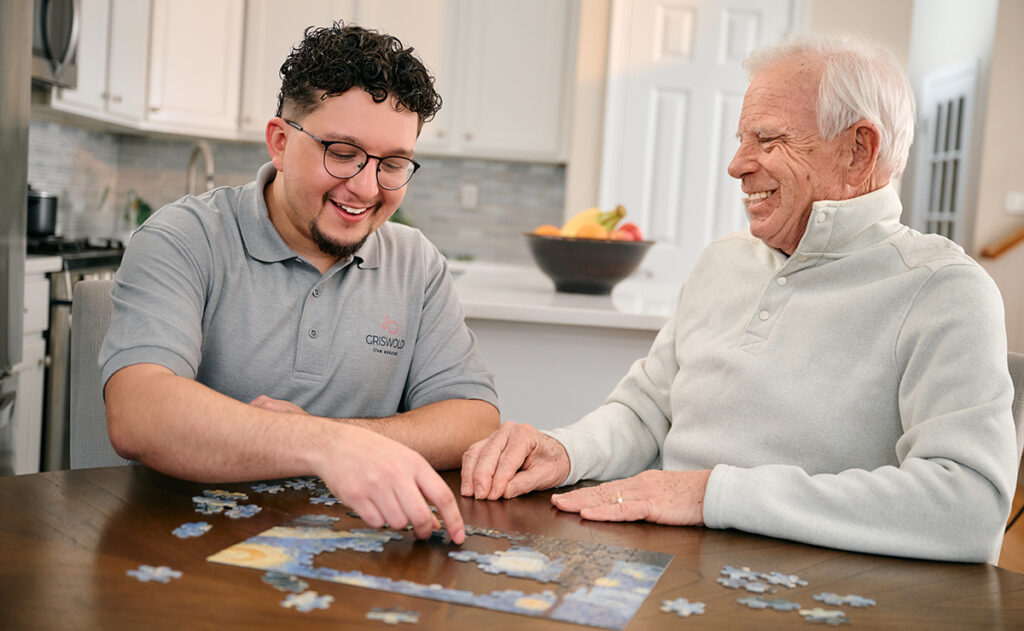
column 682, row 607
column 225, row 495
column 326, row 500
column 756, row 587
column 742, row 574
column 267, row 488
column 307, row 601
column 831, row 617
column 300, row 483
column 212, row 505
column 285, row 582
column 852, row 600
column 191, row 529
column 243, row 512
column 492, row 533
column 393, row 615
column 146, row 573
column 778, row 604
column 788, row 580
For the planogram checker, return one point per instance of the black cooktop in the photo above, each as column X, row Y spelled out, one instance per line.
column 79, row 253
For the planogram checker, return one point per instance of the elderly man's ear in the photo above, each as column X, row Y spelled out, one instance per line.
column 863, row 148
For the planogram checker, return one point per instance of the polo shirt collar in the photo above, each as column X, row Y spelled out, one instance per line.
column 263, row 242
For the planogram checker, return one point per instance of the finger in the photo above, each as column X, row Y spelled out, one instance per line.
column 510, row 462
column 588, row 497
column 616, row 511
column 536, row 477
column 390, row 507
column 416, row 510
column 469, row 460
column 366, row 511
column 487, row 463
column 437, row 493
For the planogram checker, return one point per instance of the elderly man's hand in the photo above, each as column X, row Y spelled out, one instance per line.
column 512, row 461
column 674, row 498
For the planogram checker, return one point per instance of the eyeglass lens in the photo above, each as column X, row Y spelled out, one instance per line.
column 343, row 161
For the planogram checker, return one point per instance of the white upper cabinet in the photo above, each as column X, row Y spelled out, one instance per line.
column 112, row 62
column 195, row 67
column 516, row 71
column 272, row 28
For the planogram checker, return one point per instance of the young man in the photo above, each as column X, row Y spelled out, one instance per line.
column 285, row 328
column 830, row 376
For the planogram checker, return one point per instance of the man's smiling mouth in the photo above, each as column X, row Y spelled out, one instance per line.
column 351, row 210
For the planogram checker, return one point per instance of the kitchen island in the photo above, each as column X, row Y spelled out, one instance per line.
column 556, row 356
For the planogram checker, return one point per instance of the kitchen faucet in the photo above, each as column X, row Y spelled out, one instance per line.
column 201, row 149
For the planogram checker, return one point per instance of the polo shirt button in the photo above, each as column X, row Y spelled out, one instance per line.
column 821, row 217
column 764, row 315
column 316, row 292
column 802, row 258
column 781, row 280
column 313, row 333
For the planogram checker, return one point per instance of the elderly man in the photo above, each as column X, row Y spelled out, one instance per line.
column 831, row 377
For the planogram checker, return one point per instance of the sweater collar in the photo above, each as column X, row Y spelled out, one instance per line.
column 838, row 227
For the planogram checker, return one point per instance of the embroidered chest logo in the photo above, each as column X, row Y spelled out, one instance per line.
column 387, row 343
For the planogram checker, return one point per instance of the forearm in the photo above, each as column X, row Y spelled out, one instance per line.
column 441, row 432
column 182, row 428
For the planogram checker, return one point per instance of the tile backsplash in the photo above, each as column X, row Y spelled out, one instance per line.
column 93, row 173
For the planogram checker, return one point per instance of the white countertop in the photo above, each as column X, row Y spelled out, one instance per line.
column 522, row 293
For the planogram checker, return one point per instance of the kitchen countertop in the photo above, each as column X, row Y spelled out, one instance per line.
column 522, row 293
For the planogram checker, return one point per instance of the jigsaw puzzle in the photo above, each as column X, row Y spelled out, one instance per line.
column 590, row 583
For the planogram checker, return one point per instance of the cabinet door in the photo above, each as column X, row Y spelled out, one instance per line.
column 429, row 27
column 195, row 67
column 516, row 78
column 89, row 97
column 28, row 419
column 272, row 28
column 129, row 59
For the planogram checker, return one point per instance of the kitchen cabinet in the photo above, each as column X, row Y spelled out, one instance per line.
column 28, row 413
column 503, row 69
column 112, row 63
column 272, row 28
column 195, row 67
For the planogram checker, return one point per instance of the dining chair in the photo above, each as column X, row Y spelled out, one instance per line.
column 90, row 316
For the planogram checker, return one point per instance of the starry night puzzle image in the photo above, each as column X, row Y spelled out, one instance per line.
column 561, row 579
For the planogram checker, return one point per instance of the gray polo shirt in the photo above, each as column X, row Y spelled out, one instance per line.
column 209, row 289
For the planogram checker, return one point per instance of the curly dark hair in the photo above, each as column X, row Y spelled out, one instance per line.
column 331, row 60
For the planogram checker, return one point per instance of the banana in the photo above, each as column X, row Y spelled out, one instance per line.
column 607, row 219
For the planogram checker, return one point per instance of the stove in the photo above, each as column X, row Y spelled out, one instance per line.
column 79, row 253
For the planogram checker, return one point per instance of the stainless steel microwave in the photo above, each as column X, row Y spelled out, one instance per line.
column 55, row 28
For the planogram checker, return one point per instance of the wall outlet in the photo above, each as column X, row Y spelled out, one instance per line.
column 469, row 196
column 1014, row 202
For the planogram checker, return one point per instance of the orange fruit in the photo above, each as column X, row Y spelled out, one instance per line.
column 547, row 230
column 592, row 231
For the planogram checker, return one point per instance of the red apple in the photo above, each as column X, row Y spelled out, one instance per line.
column 627, row 232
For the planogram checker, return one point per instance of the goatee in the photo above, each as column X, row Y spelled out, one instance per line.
column 331, row 247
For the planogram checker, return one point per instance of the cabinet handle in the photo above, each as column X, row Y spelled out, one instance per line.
column 116, row 99
column 154, row 109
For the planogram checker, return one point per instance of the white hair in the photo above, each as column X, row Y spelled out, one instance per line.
column 860, row 81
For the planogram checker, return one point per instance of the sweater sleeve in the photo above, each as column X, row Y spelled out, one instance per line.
column 624, row 436
column 950, row 494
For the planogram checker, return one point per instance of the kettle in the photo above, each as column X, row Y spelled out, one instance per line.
column 42, row 214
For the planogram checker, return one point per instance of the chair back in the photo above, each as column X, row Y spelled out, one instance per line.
column 90, row 317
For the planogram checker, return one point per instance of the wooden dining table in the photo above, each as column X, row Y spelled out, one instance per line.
column 69, row 538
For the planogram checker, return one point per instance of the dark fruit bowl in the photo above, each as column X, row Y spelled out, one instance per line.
column 586, row 266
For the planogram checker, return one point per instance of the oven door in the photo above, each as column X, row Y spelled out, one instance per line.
column 55, row 42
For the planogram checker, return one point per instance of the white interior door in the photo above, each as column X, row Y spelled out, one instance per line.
column 675, row 90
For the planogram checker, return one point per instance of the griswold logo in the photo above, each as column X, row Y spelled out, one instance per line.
column 386, row 344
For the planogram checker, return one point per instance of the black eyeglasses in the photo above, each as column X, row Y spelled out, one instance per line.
column 344, row 160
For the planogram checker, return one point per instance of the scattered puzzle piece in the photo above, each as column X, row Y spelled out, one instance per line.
column 146, row 573
column 326, row 500
column 212, row 505
column 831, row 617
column 756, row 587
column 492, row 533
column 225, row 495
column 682, row 607
column 778, row 604
column 285, row 582
column 301, row 483
column 267, row 488
column 393, row 615
column 307, row 601
column 742, row 574
column 789, row 580
column 191, row 529
column 245, row 511
column 850, row 599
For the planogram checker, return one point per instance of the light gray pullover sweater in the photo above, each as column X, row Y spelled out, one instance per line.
column 854, row 395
